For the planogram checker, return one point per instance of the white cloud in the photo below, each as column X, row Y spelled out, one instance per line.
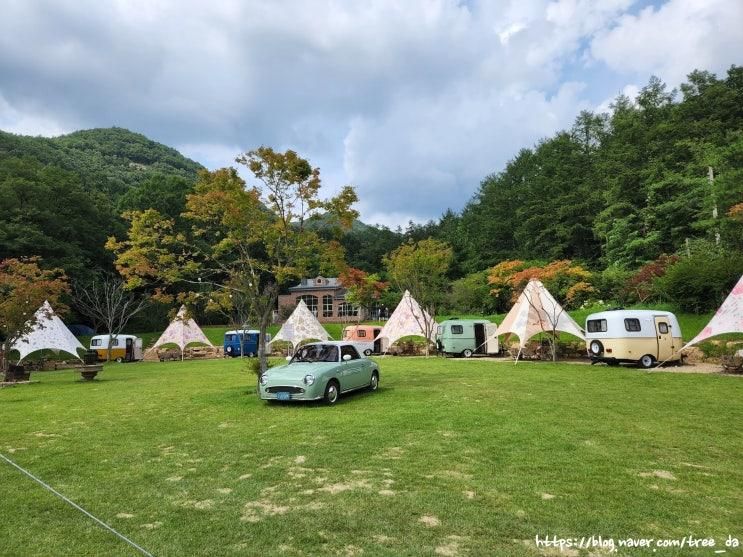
column 426, row 155
column 630, row 91
column 33, row 122
column 413, row 102
column 674, row 39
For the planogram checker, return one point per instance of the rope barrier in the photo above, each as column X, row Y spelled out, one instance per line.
column 78, row 507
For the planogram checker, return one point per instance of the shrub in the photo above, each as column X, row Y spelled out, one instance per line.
column 611, row 283
column 567, row 281
column 471, row 294
column 701, row 281
column 643, row 285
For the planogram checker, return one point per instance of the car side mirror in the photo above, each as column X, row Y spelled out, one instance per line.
column 288, row 358
column 346, row 357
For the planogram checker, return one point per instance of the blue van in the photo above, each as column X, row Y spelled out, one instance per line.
column 242, row 343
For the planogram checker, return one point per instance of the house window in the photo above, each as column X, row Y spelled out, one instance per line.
column 632, row 325
column 347, row 310
column 457, row 329
column 311, row 302
column 597, row 326
column 327, row 306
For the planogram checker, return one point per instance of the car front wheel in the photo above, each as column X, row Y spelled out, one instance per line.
column 332, row 392
column 374, row 383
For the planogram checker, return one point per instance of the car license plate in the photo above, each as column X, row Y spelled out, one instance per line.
column 282, row 395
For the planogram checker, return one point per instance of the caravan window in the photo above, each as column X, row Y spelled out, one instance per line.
column 361, row 333
column 632, row 325
column 663, row 328
column 439, row 330
column 95, row 342
column 457, row 329
column 596, row 326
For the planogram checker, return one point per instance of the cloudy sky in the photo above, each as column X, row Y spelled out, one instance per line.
column 411, row 101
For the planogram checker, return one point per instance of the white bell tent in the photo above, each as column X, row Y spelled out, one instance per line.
column 536, row 311
column 727, row 319
column 182, row 331
column 408, row 319
column 301, row 325
column 47, row 332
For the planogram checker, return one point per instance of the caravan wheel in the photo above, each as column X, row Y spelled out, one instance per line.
column 467, row 353
column 367, row 352
column 647, row 361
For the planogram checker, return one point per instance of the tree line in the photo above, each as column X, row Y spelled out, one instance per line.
column 639, row 205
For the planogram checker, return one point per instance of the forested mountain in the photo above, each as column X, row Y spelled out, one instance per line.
column 618, row 189
column 614, row 192
column 60, row 198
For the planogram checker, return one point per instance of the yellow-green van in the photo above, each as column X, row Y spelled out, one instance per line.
column 124, row 348
column 466, row 337
column 638, row 336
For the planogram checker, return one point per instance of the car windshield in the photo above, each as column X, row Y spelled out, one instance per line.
column 317, row 353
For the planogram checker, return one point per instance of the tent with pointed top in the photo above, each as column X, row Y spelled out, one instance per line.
column 47, row 332
column 536, row 311
column 727, row 319
column 301, row 325
column 182, row 331
column 408, row 319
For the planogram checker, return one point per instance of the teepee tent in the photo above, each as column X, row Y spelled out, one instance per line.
column 727, row 319
column 408, row 319
column 301, row 325
column 47, row 333
column 536, row 311
column 181, row 331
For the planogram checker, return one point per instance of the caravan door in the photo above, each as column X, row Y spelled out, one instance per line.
column 491, row 345
column 480, row 338
column 129, row 353
column 665, row 338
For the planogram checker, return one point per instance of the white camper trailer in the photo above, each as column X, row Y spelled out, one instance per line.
column 639, row 336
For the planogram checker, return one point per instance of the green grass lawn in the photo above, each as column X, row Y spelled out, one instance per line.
column 449, row 457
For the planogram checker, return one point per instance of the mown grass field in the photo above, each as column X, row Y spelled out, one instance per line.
column 450, row 457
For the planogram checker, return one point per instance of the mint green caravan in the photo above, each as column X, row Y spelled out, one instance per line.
column 465, row 337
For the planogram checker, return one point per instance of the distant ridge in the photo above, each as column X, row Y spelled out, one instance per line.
column 111, row 160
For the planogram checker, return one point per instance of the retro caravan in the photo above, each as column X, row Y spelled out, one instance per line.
column 362, row 336
column 638, row 336
column 124, row 348
column 465, row 337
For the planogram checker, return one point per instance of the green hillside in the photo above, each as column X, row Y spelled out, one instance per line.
column 106, row 159
column 60, row 198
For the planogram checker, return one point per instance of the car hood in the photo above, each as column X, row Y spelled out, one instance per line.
column 298, row 370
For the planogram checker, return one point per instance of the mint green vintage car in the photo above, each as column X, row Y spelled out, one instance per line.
column 321, row 370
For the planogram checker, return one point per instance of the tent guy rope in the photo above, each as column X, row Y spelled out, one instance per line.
column 78, row 507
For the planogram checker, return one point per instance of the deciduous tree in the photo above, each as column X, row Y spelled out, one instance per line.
column 247, row 240
column 421, row 268
column 107, row 302
column 362, row 289
column 23, row 288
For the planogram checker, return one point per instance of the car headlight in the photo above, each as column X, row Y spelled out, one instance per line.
column 264, row 379
column 309, row 379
